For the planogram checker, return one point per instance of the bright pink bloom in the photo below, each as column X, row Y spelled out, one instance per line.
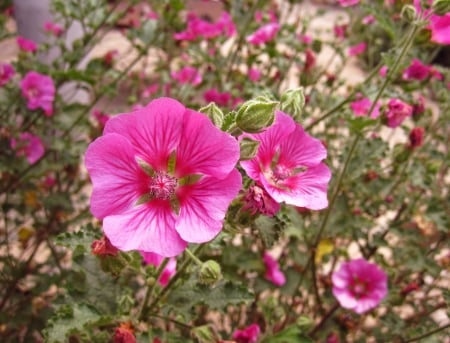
column 248, row 335
column 359, row 285
column 187, row 75
column 101, row 117
column 53, row 28
column 288, row 164
column 368, row 19
column 150, row 90
column 362, row 106
column 221, row 99
column 416, row 137
column 197, row 27
column 28, row 145
column 162, row 176
column 6, row 73
column 155, row 260
column 39, row 90
column 26, row 44
column 397, row 112
column 348, row 3
column 254, row 74
column 264, row 34
column 383, row 71
column 357, row 49
column 257, row 200
column 340, row 31
column 273, row 272
column 416, row 71
column 440, row 28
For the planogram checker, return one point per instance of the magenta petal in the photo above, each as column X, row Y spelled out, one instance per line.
column 204, row 149
column 154, row 131
column 148, row 228
column 114, row 174
column 203, row 207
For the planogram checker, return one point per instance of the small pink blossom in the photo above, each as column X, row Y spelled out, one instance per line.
column 6, row 73
column 416, row 71
column 39, row 90
column 383, row 71
column 362, row 106
column 397, row 112
column 199, row 28
column 348, row 3
column 26, row 44
column 368, row 19
column 28, row 145
column 155, row 260
column 150, row 90
column 254, row 74
column 310, row 60
column 259, row 16
column 306, row 39
column 357, row 49
column 264, row 34
column 257, row 200
column 221, row 99
column 340, row 31
column 273, row 272
column 416, row 137
column 53, row 28
column 248, row 335
column 359, row 285
column 163, row 177
column 103, row 246
column 187, row 75
column 289, row 165
column 110, row 57
column 440, row 28
column 101, row 117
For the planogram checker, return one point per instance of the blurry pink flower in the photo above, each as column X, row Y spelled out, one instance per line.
column 155, row 260
column 26, row 44
column 416, row 137
column 254, row 74
column 306, row 39
column 310, row 60
column 288, row 164
column 418, row 106
column 28, row 145
column 101, row 117
column 340, row 31
column 362, row 106
column 197, row 27
column 150, row 90
column 187, row 75
column 383, row 71
column 103, row 247
column 357, row 49
column 163, row 177
column 416, row 71
column 440, row 28
column 152, row 15
column 39, row 91
column 397, row 112
column 273, row 272
column 258, row 16
column 53, row 28
column 221, row 99
column 359, row 285
column 6, row 73
column 110, row 57
column 264, row 34
column 257, row 200
column 248, row 335
column 226, row 24
column 368, row 19
column 348, row 3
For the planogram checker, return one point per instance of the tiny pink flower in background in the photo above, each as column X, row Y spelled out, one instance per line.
column 440, row 28
column 257, row 200
column 264, row 34
column 418, row 106
column 6, row 73
column 273, row 272
column 226, row 25
column 383, row 71
column 187, row 75
column 416, row 137
column 340, row 31
column 53, row 28
column 258, row 16
column 289, row 165
column 110, row 57
column 150, row 90
column 199, row 28
column 357, row 49
column 359, row 285
column 163, row 177
column 310, row 60
column 362, row 106
column 155, row 260
column 221, row 99
column 26, row 44
column 248, row 335
column 306, row 39
column 348, row 3
column 254, row 74
column 28, row 145
column 152, row 15
column 137, row 107
column 39, row 90
column 368, row 19
column 397, row 112
column 101, row 117
column 416, row 71
column 103, row 247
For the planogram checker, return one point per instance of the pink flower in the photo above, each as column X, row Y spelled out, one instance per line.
column 264, row 34
column 103, row 247
column 383, row 71
column 306, row 39
column 257, row 200
column 310, row 60
column 28, row 145
column 397, row 112
column 362, row 106
column 163, row 177
column 26, row 44
column 53, row 28
column 359, row 285
column 197, row 27
column 248, row 335
column 416, row 137
column 273, row 272
column 221, row 99
column 440, row 28
column 357, row 49
column 101, row 117
column 39, row 91
column 155, row 260
column 150, row 90
column 368, row 19
column 6, row 73
column 340, row 31
column 416, row 71
column 348, row 3
column 187, row 75
column 254, row 74
column 288, row 164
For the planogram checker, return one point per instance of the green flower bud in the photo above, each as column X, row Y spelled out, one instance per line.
column 304, row 322
column 249, row 148
column 408, row 13
column 441, row 7
column 204, row 334
column 214, row 113
column 257, row 114
column 210, row 272
column 292, row 103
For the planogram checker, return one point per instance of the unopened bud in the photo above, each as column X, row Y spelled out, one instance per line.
column 441, row 7
column 214, row 113
column 292, row 102
column 210, row 272
column 204, row 334
column 408, row 13
column 256, row 115
column 249, row 148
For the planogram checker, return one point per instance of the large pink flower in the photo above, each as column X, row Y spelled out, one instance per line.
column 264, row 34
column 163, row 176
column 28, row 145
column 155, row 260
column 6, row 73
column 440, row 28
column 359, row 285
column 39, row 90
column 288, row 164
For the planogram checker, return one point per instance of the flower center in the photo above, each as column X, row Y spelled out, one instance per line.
column 359, row 288
column 33, row 92
column 280, row 172
column 163, row 186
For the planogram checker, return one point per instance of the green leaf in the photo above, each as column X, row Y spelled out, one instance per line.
column 289, row 335
column 269, row 228
column 358, row 124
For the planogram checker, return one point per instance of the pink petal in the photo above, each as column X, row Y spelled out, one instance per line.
column 203, row 206
column 149, row 228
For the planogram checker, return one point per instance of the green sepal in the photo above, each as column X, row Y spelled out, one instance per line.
column 145, row 167
column 189, row 179
column 171, row 163
column 144, row 199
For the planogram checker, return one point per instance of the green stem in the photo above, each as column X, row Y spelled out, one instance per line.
column 193, row 257
column 428, row 334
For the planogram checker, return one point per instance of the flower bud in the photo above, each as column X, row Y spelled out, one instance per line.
column 249, row 148
column 441, row 7
column 214, row 113
column 204, row 334
column 408, row 13
column 257, row 114
column 292, row 102
column 210, row 272
column 416, row 137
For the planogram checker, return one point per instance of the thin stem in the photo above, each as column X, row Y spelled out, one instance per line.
column 427, row 334
column 193, row 257
column 324, row 320
column 186, row 326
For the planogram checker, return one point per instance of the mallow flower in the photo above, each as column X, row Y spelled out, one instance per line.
column 264, row 34
column 28, row 145
column 249, row 334
column 39, row 90
column 273, row 272
column 163, row 176
column 7, row 71
column 289, row 165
